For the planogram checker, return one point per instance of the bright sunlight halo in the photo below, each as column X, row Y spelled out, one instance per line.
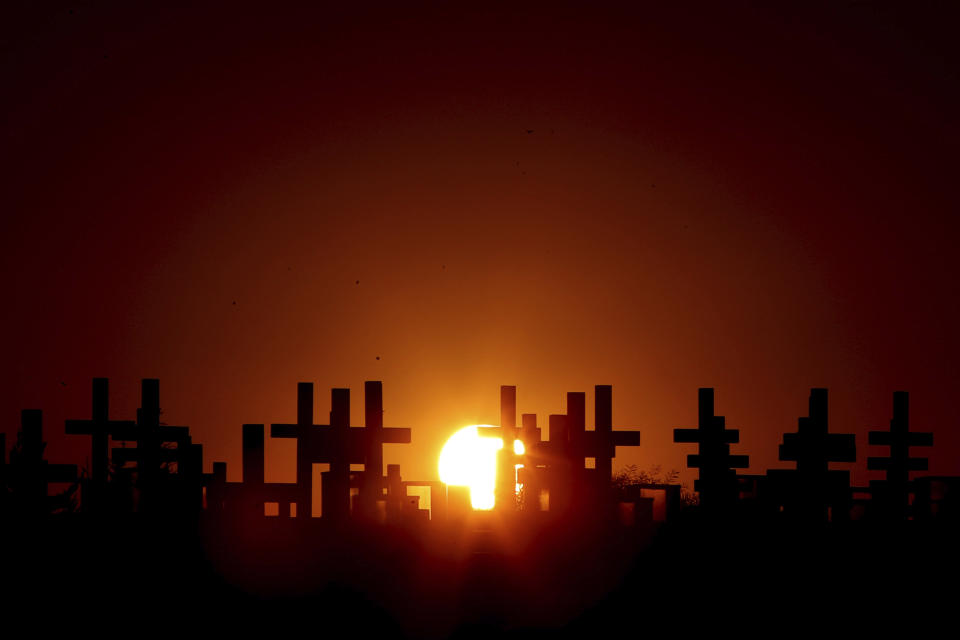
column 469, row 459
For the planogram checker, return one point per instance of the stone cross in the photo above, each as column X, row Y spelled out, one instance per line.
column 892, row 495
column 814, row 490
column 100, row 428
column 717, row 483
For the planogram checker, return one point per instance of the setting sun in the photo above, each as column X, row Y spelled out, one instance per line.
column 469, row 459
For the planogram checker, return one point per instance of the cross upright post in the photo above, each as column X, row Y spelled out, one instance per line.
column 603, row 433
column 506, row 458
column 558, row 463
column 366, row 446
column 371, row 489
column 253, row 471
column 336, row 485
column 576, row 452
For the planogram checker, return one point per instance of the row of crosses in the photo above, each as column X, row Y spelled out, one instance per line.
column 560, row 466
column 167, row 464
column 336, row 444
column 572, row 469
column 812, row 491
column 557, row 466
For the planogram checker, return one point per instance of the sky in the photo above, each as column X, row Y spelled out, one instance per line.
column 450, row 197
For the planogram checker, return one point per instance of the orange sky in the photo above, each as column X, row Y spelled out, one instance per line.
column 761, row 202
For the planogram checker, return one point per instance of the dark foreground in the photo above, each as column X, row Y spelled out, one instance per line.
column 136, row 577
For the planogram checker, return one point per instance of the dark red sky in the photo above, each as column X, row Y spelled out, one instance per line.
column 760, row 200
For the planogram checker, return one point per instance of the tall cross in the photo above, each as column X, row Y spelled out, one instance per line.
column 898, row 465
column 813, row 447
column 371, row 489
column 305, row 432
column 717, row 484
column 506, row 457
column 150, row 452
column 601, row 443
column 336, row 485
column 100, row 428
column 591, row 486
column 813, row 486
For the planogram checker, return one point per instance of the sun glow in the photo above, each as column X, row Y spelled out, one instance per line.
column 469, row 459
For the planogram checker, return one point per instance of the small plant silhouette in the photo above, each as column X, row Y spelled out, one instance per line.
column 633, row 477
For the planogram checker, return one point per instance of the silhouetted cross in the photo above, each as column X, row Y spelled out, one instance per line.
column 718, row 480
column 898, row 464
column 150, row 436
column 100, row 428
column 813, row 489
column 601, row 443
column 812, row 447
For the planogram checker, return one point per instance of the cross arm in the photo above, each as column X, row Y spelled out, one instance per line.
column 686, row 435
column 886, row 464
column 283, row 430
column 625, row 438
column 912, row 438
column 732, row 461
column 125, row 430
